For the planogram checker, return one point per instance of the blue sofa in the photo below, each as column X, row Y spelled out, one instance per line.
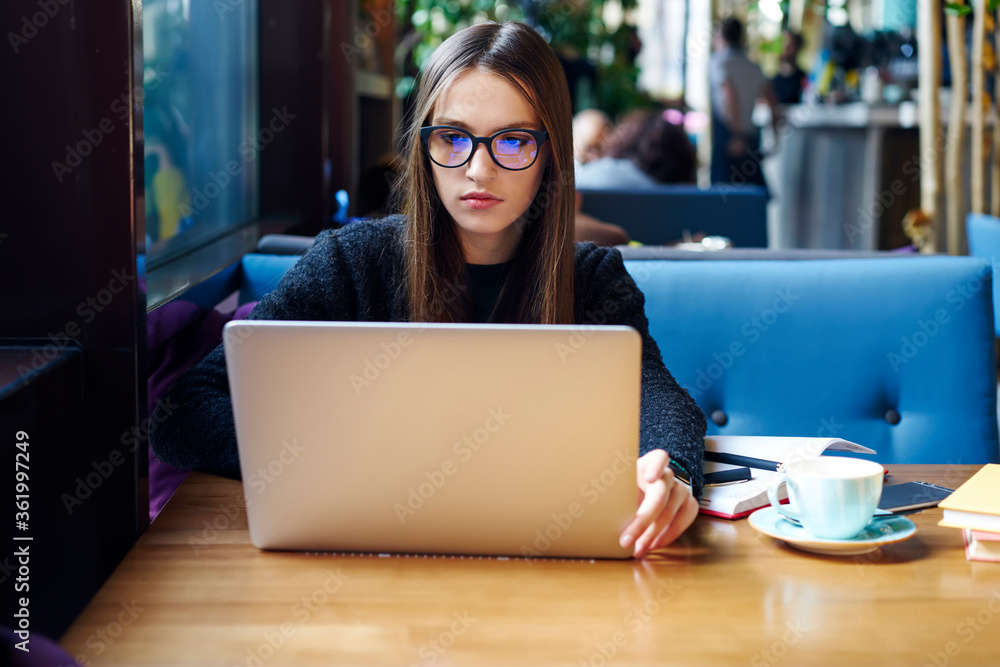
column 661, row 215
column 893, row 352
column 983, row 233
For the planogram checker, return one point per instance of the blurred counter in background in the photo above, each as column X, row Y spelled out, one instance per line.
column 841, row 176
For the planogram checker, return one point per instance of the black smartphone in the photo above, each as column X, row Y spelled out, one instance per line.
column 711, row 478
column 912, row 496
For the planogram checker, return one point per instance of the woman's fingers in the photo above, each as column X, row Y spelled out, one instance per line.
column 653, row 489
column 654, row 498
column 666, row 509
column 652, row 466
column 668, row 517
column 685, row 516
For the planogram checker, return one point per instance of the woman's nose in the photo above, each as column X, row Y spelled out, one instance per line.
column 481, row 166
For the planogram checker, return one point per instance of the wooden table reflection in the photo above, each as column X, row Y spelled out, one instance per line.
column 194, row 591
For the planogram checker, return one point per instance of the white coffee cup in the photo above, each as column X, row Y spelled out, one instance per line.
column 832, row 497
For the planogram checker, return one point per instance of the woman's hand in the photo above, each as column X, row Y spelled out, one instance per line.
column 666, row 506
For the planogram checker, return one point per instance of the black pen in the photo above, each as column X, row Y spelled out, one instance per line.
column 738, row 460
column 731, row 476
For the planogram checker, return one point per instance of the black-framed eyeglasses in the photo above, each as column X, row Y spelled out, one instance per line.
column 514, row 149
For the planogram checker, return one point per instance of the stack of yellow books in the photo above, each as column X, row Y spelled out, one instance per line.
column 975, row 508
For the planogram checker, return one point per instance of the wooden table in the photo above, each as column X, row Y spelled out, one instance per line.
column 194, row 591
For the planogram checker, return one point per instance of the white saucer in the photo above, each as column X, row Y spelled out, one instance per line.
column 881, row 531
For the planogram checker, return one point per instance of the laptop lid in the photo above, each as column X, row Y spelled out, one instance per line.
column 436, row 438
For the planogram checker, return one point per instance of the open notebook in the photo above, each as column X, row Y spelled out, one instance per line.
column 734, row 501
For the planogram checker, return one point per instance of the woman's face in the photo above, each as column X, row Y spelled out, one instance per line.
column 484, row 199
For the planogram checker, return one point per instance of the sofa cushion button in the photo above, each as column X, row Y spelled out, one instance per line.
column 892, row 416
column 719, row 418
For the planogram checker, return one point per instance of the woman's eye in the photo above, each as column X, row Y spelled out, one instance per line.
column 514, row 141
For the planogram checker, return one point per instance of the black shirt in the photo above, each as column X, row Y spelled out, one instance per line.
column 485, row 281
column 788, row 87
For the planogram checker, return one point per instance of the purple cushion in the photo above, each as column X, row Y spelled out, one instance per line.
column 43, row 651
column 179, row 335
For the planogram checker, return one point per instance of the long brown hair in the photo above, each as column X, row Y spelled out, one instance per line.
column 539, row 284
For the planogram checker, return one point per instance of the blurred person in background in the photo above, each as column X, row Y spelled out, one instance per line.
column 591, row 129
column 169, row 193
column 736, row 85
column 588, row 228
column 790, row 80
column 644, row 151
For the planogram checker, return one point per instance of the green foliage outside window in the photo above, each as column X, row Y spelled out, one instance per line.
column 574, row 28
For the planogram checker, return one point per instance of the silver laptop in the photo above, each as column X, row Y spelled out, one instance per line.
column 436, row 438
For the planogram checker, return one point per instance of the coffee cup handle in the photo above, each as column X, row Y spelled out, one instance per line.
column 785, row 511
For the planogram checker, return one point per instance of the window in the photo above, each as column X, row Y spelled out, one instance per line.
column 200, row 122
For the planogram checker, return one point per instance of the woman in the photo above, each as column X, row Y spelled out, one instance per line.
column 644, row 151
column 488, row 191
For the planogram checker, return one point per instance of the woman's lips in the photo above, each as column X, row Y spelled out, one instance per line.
column 480, row 202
